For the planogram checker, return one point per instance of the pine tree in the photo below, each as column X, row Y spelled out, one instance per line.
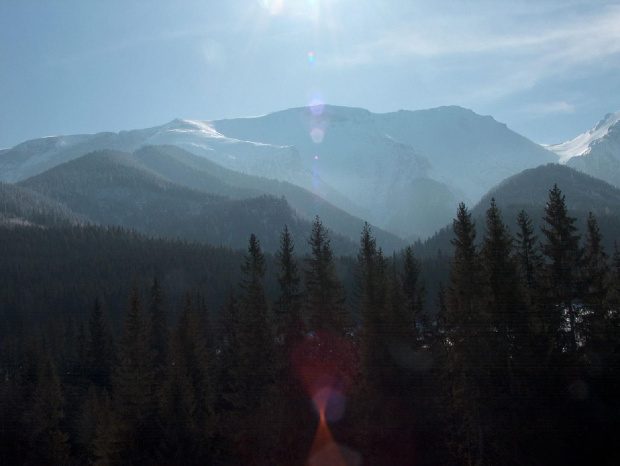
column 464, row 318
column 596, row 268
column 325, row 296
column 467, row 337
column 373, row 308
column 505, row 324
column 256, row 339
column 101, row 354
column 414, row 291
column 562, row 272
column 290, row 328
column 596, row 275
column 188, row 395
column 134, row 387
column 48, row 443
column 503, row 304
column 158, row 329
column 530, row 258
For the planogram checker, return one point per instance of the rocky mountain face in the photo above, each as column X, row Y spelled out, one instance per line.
column 404, row 171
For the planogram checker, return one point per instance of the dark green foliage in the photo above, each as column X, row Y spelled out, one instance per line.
column 374, row 336
column 500, row 374
column 290, row 327
column 562, row 272
column 48, row 444
column 134, row 387
column 159, row 333
column 100, row 349
column 324, row 297
column 529, row 257
column 188, row 392
column 414, row 291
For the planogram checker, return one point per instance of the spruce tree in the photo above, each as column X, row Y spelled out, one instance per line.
column 464, row 317
column 562, row 271
column 48, row 443
column 596, row 277
column 158, row 329
column 503, row 339
column 134, row 387
column 529, row 256
column 503, row 304
column 188, row 395
column 256, row 338
column 325, row 296
column 372, row 268
column 101, row 356
column 290, row 327
column 466, row 336
column 414, row 291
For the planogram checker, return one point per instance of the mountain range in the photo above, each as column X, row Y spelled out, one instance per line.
column 403, row 172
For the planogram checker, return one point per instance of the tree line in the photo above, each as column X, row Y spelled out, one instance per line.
column 518, row 365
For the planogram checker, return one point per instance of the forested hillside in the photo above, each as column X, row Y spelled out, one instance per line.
column 120, row 349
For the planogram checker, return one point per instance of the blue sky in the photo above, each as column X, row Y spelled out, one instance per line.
column 548, row 69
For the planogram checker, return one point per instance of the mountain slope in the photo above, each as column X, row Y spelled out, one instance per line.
column 279, row 162
column 22, row 206
column 529, row 191
column 115, row 188
column 189, row 170
column 380, row 158
column 403, row 171
column 595, row 152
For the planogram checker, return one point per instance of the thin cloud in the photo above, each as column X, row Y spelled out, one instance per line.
column 534, row 53
column 545, row 109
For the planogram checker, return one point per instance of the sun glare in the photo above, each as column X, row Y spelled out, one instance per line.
column 309, row 9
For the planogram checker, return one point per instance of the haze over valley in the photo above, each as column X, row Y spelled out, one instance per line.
column 318, row 232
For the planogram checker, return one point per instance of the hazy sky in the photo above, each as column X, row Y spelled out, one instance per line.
column 548, row 69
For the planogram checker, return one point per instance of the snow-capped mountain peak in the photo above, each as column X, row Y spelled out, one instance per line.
column 582, row 144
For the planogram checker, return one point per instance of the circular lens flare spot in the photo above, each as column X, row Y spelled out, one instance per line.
column 317, row 135
column 310, row 58
column 316, row 107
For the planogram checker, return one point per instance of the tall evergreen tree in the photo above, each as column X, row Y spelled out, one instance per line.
column 503, row 303
column 188, row 396
column 256, row 338
column 48, row 443
column 528, row 253
column 562, row 272
column 505, row 325
column 373, row 308
column 463, row 295
column 596, row 275
column 595, row 267
column 414, row 291
column 290, row 327
column 467, row 336
column 325, row 296
column 134, row 387
column 101, row 356
column 158, row 329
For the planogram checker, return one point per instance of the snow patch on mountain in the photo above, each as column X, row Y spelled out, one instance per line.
column 583, row 143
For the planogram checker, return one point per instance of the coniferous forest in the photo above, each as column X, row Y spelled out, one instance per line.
column 118, row 348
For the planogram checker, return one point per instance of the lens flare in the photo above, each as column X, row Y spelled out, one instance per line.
column 274, row 7
column 317, row 135
column 310, row 58
column 330, row 404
